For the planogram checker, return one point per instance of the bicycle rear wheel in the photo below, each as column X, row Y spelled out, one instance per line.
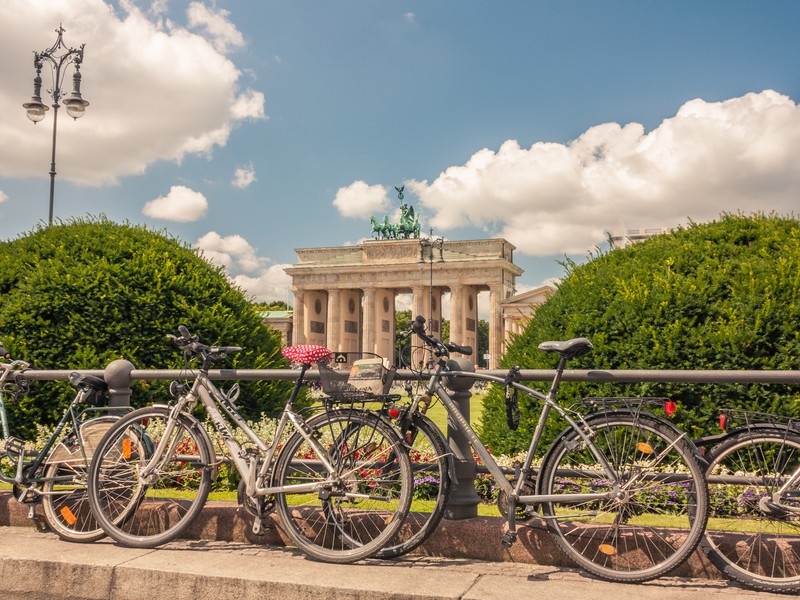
column 656, row 514
column 430, row 460
column 144, row 511
column 356, row 509
column 65, row 501
column 749, row 537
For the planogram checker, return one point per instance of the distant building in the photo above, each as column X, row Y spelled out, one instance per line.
column 519, row 309
column 621, row 239
column 281, row 321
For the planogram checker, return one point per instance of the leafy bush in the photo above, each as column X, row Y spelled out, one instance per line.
column 720, row 295
column 78, row 295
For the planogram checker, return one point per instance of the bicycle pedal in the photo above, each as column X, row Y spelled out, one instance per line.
column 509, row 537
column 40, row 523
column 259, row 528
column 15, row 447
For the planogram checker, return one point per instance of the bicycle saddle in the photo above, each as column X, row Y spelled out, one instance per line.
column 569, row 349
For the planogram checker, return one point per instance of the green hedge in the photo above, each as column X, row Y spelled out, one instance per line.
column 720, row 295
column 80, row 294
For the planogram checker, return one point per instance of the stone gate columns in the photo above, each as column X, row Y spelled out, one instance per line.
column 299, row 318
column 496, row 326
column 464, row 316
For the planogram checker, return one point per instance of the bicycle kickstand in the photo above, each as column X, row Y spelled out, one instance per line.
column 510, row 536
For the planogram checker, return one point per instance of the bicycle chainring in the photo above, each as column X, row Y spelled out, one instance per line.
column 521, row 514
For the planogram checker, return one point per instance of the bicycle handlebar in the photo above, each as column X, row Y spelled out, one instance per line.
column 191, row 344
column 440, row 348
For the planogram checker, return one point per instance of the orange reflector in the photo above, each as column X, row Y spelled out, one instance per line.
column 608, row 549
column 644, row 448
column 390, row 518
column 69, row 517
column 126, row 449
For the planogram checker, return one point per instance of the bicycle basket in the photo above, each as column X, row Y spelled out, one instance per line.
column 366, row 377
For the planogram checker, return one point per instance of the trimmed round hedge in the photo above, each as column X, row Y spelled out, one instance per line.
column 719, row 295
column 80, row 294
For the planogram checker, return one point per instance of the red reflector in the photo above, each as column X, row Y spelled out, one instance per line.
column 670, row 407
column 394, row 413
column 722, row 422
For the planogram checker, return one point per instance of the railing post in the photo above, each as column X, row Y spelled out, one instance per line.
column 117, row 375
column 464, row 500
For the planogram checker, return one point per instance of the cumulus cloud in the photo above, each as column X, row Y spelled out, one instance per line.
column 710, row 158
column 215, row 24
column 181, row 204
column 243, row 176
column 265, row 282
column 143, row 76
column 270, row 285
column 232, row 252
column 359, row 199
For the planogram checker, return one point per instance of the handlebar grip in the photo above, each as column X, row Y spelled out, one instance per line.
column 465, row 350
column 184, row 331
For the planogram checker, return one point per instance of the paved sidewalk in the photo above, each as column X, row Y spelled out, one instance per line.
column 38, row 566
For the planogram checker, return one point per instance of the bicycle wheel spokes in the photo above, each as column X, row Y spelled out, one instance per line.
column 654, row 513
column 350, row 513
column 750, row 537
column 65, row 502
column 144, row 503
column 429, row 463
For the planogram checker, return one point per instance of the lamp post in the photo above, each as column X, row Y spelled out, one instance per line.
column 426, row 254
column 75, row 105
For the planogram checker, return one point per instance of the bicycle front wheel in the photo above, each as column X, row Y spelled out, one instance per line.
column 752, row 536
column 353, row 509
column 430, row 461
column 142, row 501
column 654, row 513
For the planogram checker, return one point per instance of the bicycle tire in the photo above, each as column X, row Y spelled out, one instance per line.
column 654, row 523
column 145, row 513
column 65, row 500
column 369, row 492
column 430, row 465
column 758, row 545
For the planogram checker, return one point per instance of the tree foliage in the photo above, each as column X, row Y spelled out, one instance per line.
column 721, row 295
column 78, row 295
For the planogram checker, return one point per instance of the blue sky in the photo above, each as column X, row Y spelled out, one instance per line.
column 250, row 128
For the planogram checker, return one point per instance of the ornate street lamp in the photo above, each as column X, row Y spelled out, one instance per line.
column 74, row 104
column 426, row 254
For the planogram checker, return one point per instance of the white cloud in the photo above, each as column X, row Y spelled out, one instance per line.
column 249, row 271
column 3, row 196
column 243, row 176
column 217, row 27
column 181, row 204
column 361, row 200
column 232, row 252
column 143, row 77
column 270, row 285
column 710, row 158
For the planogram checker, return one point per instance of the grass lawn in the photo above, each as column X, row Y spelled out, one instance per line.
column 438, row 413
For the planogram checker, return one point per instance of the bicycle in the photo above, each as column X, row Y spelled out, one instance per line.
column 324, row 481
column 367, row 385
column 55, row 475
column 753, row 534
column 622, row 492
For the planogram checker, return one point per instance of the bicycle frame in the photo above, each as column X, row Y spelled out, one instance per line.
column 514, row 491
column 255, row 476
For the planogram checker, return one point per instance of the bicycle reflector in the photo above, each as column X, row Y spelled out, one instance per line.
column 670, row 407
column 722, row 419
column 68, row 515
column 126, row 449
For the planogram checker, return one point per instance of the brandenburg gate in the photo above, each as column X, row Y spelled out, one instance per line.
column 344, row 298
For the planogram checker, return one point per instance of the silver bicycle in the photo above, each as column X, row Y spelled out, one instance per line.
column 326, row 476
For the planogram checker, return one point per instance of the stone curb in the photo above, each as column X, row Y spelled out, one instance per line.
column 477, row 538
